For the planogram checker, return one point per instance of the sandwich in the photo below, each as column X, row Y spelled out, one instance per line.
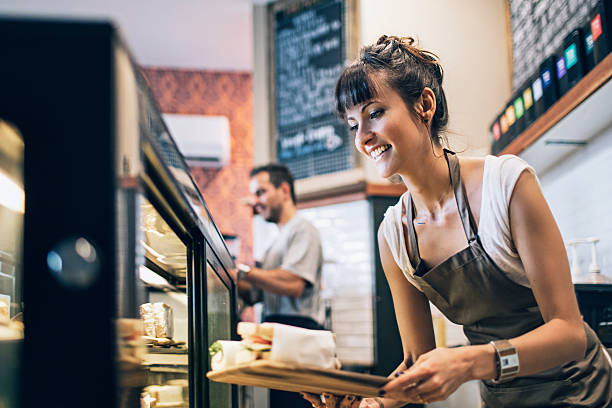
column 257, row 337
column 256, row 344
column 278, row 342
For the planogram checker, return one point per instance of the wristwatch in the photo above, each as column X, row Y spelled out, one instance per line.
column 507, row 361
column 243, row 271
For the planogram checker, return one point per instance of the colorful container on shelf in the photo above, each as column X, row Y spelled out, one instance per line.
column 519, row 113
column 601, row 30
column 495, row 136
column 582, row 49
column 570, row 61
column 528, row 103
column 589, row 55
column 549, row 74
column 511, row 120
column 538, row 92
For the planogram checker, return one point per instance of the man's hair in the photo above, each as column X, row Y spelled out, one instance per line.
column 278, row 173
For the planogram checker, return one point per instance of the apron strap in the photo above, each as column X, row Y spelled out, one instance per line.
column 463, row 205
column 414, row 254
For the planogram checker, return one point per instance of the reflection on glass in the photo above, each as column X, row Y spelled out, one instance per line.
column 218, row 304
column 164, row 320
column 11, row 241
column 162, row 247
column 170, row 153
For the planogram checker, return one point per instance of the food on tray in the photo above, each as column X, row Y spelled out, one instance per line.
column 162, row 396
column 276, row 342
column 226, row 353
column 157, row 319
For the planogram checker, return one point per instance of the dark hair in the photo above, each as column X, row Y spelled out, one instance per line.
column 278, row 173
column 406, row 69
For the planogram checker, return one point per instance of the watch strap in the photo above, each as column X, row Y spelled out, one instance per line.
column 507, row 361
column 243, row 271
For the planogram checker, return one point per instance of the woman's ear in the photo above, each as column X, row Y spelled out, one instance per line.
column 427, row 104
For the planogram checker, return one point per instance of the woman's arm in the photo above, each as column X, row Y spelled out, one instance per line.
column 412, row 312
column 562, row 337
column 538, row 241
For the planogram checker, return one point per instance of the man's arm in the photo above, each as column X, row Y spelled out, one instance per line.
column 279, row 281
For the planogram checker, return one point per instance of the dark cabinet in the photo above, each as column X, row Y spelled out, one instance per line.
column 104, row 223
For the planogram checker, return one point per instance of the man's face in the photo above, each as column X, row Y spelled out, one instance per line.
column 267, row 198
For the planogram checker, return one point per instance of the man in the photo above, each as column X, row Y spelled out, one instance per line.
column 289, row 278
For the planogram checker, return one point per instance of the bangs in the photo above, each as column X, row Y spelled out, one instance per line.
column 354, row 86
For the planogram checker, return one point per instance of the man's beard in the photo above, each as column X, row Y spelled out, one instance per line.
column 275, row 214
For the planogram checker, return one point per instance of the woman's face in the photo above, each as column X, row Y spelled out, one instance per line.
column 387, row 131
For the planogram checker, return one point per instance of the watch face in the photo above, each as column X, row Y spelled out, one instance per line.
column 509, row 361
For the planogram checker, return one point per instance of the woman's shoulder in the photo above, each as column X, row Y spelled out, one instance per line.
column 495, row 166
column 394, row 212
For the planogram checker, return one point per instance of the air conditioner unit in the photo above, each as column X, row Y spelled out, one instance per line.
column 203, row 140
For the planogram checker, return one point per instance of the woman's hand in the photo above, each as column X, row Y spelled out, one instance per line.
column 433, row 377
column 348, row 401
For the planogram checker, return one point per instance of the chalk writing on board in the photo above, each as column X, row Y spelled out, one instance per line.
column 309, row 57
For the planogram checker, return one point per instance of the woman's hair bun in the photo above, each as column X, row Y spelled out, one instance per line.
column 389, row 39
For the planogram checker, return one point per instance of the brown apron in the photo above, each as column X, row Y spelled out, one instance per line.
column 472, row 291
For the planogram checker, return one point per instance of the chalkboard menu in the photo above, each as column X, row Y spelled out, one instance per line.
column 309, row 55
column 538, row 29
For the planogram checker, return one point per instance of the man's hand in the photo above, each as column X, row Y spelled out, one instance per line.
column 233, row 273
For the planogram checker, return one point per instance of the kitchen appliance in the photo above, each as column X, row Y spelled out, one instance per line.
column 594, row 274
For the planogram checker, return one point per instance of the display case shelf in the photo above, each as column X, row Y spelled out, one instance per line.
column 570, row 122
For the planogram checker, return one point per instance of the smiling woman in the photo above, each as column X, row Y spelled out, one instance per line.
column 468, row 236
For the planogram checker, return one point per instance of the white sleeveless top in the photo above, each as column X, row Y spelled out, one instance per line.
column 498, row 181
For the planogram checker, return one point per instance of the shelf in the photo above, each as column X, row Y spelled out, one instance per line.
column 166, row 359
column 166, row 369
column 586, row 106
column 167, row 350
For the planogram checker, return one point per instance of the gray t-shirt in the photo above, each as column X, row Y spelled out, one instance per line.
column 296, row 249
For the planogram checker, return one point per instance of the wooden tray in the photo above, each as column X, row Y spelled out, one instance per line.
column 293, row 377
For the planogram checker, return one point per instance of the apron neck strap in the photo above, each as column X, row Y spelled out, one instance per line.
column 463, row 205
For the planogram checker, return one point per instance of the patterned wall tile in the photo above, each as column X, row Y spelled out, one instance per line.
column 216, row 93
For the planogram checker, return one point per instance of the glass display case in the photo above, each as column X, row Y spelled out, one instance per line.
column 113, row 275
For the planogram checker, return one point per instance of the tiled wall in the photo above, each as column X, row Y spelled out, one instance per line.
column 579, row 192
column 225, row 94
column 348, row 276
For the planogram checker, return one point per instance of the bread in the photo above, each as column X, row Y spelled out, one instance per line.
column 262, row 330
